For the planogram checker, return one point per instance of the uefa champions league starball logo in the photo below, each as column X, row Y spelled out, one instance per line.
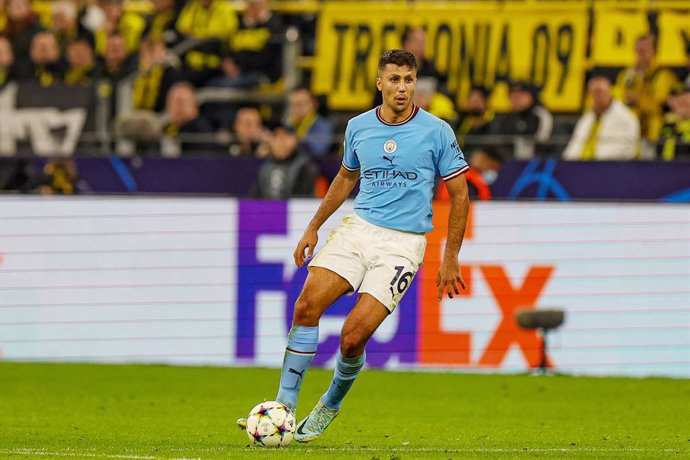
column 390, row 146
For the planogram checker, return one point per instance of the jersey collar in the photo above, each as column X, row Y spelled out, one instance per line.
column 415, row 109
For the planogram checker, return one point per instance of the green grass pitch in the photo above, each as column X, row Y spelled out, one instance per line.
column 113, row 411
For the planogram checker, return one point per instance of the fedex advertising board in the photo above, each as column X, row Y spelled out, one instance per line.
column 212, row 281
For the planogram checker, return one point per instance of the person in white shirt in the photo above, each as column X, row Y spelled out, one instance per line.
column 608, row 131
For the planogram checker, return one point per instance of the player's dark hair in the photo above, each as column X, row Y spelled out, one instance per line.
column 397, row 57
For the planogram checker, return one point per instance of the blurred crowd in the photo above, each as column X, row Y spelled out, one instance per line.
column 180, row 47
column 642, row 112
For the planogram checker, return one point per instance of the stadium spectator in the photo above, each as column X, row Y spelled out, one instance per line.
column 207, row 19
column 608, row 131
column 255, row 51
column 252, row 57
column 66, row 26
column 7, row 66
column 117, row 21
column 674, row 142
column 314, row 131
column 476, row 119
column 59, row 177
column 486, row 161
column 528, row 121
column 154, row 76
column 434, row 84
column 186, row 123
column 644, row 87
column 114, row 66
column 214, row 22
column 427, row 97
column 250, row 136
column 414, row 40
column 45, row 65
column 20, row 27
column 160, row 24
column 288, row 172
column 117, row 61
column 81, row 63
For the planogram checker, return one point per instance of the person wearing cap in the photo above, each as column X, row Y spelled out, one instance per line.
column 674, row 142
column 607, row 131
column 528, row 121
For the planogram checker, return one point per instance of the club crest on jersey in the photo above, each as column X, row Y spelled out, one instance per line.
column 390, row 146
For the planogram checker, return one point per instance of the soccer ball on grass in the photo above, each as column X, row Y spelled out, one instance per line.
column 271, row 424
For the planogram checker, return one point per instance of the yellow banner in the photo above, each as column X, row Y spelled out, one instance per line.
column 614, row 35
column 485, row 44
column 674, row 37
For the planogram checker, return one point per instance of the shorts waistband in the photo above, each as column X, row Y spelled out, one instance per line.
column 385, row 229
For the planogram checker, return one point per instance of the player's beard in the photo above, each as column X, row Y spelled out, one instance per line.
column 400, row 109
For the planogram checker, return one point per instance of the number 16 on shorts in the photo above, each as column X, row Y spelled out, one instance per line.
column 401, row 281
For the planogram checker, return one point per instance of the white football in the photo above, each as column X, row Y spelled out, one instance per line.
column 271, row 424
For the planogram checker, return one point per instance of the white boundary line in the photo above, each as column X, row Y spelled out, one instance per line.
column 70, row 453
column 526, row 450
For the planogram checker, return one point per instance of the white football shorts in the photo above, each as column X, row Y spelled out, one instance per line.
column 376, row 260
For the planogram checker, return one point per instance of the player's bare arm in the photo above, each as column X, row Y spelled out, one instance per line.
column 340, row 189
column 449, row 277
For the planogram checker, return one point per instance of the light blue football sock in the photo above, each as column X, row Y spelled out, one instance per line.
column 346, row 371
column 299, row 353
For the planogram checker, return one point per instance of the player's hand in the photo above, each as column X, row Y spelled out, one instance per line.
column 449, row 278
column 308, row 243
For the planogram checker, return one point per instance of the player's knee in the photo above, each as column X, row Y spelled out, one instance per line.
column 351, row 344
column 306, row 312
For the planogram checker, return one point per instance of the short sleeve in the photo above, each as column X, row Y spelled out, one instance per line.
column 451, row 161
column 350, row 160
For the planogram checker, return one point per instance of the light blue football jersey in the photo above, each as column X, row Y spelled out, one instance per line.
column 398, row 166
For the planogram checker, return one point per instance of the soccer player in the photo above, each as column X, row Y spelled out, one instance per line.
column 396, row 151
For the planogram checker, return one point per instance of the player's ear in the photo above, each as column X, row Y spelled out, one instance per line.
column 378, row 83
